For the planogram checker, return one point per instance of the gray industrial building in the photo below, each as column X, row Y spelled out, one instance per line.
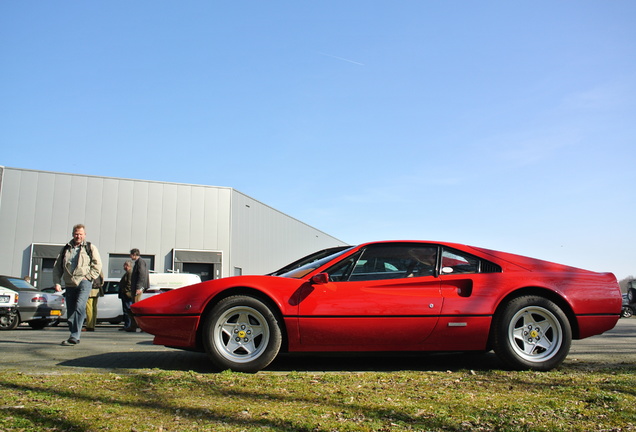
column 209, row 230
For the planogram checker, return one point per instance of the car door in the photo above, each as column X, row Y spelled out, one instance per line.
column 109, row 306
column 384, row 297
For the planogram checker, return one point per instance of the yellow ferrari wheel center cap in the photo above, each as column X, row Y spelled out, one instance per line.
column 241, row 334
column 534, row 333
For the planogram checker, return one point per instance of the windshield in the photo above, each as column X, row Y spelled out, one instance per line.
column 308, row 259
column 299, row 272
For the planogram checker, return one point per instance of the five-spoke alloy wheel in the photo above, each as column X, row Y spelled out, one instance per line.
column 242, row 334
column 532, row 332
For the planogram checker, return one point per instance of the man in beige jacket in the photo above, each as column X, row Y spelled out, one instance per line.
column 78, row 264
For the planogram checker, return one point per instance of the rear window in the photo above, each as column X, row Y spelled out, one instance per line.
column 21, row 284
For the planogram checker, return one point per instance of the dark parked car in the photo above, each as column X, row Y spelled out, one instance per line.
column 629, row 303
column 35, row 307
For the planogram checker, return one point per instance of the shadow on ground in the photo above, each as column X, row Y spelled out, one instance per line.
column 322, row 362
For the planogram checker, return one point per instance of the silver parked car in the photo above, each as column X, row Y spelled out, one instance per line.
column 108, row 306
column 35, row 307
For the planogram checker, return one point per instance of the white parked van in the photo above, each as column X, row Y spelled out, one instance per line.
column 109, row 307
column 161, row 282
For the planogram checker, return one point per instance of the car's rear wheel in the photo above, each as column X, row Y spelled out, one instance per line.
column 241, row 333
column 9, row 322
column 532, row 332
column 627, row 312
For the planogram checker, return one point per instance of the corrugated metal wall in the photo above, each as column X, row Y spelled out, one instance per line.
column 264, row 239
column 41, row 207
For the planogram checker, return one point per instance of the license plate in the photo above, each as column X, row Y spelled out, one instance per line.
column 56, row 312
column 5, row 299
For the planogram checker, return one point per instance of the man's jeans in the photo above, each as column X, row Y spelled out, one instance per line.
column 76, row 298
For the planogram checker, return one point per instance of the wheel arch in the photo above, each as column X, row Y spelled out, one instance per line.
column 541, row 292
column 18, row 318
column 246, row 291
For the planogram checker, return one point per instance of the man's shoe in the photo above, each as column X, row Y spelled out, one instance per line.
column 70, row 342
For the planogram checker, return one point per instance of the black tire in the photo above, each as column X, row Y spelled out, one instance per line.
column 631, row 295
column 532, row 332
column 39, row 324
column 627, row 312
column 10, row 323
column 242, row 334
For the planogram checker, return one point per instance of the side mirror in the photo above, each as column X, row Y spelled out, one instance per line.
column 320, row 278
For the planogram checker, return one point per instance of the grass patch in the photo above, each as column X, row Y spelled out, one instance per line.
column 569, row 399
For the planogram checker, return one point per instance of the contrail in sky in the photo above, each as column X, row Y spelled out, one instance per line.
column 341, row 58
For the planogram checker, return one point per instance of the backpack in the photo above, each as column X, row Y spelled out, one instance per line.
column 98, row 282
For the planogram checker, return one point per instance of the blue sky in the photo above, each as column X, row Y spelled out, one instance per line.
column 504, row 124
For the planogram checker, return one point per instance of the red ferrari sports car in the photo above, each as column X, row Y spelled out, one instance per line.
column 390, row 296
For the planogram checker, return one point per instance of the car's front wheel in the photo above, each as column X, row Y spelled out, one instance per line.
column 241, row 333
column 532, row 332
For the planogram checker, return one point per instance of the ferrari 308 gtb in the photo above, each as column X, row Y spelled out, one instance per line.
column 393, row 297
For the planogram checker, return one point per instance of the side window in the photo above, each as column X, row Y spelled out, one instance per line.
column 387, row 262
column 111, row 287
column 455, row 262
column 341, row 271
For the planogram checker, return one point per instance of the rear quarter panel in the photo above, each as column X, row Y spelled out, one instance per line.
column 593, row 299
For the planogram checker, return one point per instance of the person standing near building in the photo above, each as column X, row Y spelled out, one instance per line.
column 126, row 295
column 78, row 264
column 91, row 304
column 139, row 281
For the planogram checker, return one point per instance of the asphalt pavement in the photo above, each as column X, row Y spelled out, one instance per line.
column 110, row 350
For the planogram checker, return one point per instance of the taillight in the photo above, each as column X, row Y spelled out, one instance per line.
column 38, row 299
